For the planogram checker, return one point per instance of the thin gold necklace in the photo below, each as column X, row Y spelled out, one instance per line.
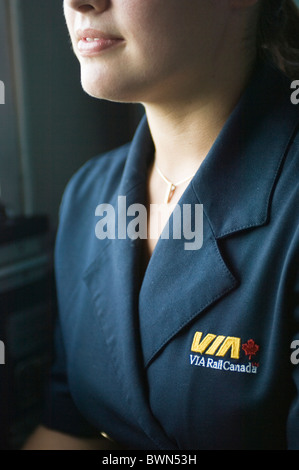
column 171, row 187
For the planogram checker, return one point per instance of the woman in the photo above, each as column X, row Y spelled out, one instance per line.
column 160, row 346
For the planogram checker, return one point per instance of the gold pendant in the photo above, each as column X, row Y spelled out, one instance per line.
column 170, row 192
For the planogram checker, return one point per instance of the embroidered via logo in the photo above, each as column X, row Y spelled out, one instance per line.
column 219, row 346
column 224, row 344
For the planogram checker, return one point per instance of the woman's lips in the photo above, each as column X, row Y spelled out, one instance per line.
column 92, row 42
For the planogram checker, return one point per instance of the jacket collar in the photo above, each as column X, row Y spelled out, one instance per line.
column 237, row 178
column 141, row 153
column 252, row 143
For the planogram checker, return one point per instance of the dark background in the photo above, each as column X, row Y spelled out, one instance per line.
column 48, row 128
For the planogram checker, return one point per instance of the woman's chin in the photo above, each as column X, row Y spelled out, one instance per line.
column 103, row 89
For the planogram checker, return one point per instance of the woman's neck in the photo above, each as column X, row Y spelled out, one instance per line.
column 185, row 129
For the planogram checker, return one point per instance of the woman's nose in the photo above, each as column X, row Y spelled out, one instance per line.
column 86, row 5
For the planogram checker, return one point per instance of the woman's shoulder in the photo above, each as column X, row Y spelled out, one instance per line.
column 100, row 175
column 97, row 169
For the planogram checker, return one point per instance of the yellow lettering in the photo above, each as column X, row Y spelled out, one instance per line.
column 210, row 343
column 234, row 344
column 199, row 346
column 213, row 348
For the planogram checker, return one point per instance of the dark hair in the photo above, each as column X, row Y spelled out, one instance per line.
column 278, row 35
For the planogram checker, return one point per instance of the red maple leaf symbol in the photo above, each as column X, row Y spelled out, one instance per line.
column 250, row 348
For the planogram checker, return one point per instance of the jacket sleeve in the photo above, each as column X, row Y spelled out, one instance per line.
column 60, row 412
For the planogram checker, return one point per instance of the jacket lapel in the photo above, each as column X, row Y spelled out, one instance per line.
column 179, row 284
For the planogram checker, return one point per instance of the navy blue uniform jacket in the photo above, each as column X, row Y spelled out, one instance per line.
column 195, row 352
